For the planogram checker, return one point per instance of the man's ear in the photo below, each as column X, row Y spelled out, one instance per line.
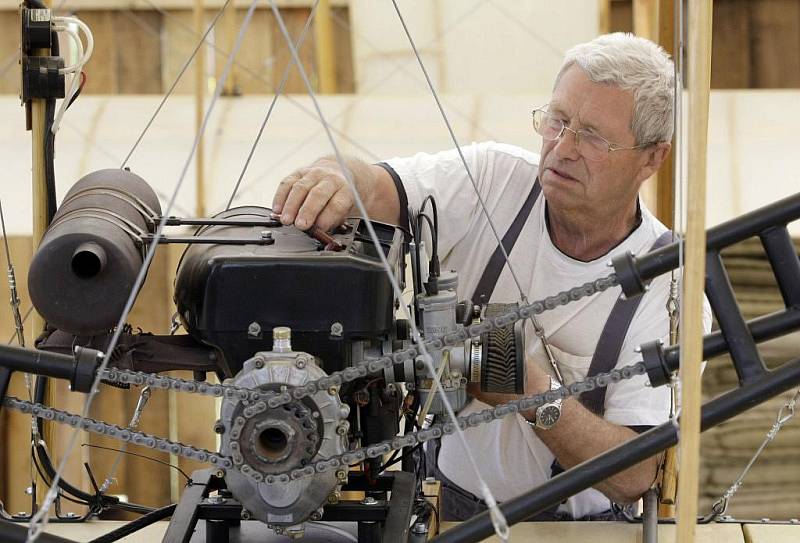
column 654, row 156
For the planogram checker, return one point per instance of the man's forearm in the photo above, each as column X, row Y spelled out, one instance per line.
column 580, row 435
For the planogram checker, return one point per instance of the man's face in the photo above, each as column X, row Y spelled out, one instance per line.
column 570, row 182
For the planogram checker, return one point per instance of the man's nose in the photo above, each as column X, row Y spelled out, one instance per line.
column 567, row 145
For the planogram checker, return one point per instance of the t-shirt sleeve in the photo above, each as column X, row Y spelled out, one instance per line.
column 443, row 176
column 633, row 402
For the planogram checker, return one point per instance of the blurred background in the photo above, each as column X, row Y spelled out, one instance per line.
column 492, row 61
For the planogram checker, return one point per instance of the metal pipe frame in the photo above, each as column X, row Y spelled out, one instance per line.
column 737, row 337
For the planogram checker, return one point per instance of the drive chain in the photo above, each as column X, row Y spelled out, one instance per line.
column 373, row 365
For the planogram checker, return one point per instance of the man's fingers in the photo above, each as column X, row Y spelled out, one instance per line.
column 316, row 200
column 337, row 209
column 284, row 188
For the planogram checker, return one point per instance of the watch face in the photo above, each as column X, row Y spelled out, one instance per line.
column 548, row 416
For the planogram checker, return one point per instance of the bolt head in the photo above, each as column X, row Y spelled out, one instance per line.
column 300, row 362
column 337, row 329
column 266, row 234
column 258, row 363
column 369, row 500
column 246, row 514
column 254, row 329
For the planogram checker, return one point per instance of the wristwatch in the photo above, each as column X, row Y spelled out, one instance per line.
column 547, row 415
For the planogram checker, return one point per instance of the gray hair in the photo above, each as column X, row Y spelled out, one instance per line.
column 636, row 65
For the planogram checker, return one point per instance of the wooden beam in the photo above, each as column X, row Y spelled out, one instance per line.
column 199, row 95
column 603, row 16
column 665, row 178
column 699, row 78
column 325, row 48
column 645, row 25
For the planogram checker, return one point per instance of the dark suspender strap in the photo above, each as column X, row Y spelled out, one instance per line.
column 483, row 292
column 611, row 339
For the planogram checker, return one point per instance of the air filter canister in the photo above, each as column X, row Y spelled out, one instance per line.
column 83, row 271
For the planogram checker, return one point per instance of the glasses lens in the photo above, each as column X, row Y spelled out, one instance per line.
column 546, row 126
column 592, row 147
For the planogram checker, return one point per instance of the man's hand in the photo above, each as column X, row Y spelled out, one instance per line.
column 321, row 195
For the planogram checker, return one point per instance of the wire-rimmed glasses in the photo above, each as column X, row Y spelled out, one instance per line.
column 590, row 145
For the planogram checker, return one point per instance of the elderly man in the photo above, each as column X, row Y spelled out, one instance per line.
column 605, row 130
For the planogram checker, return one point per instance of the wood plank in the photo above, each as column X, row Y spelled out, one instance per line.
column 731, row 53
column 295, row 20
column 699, row 63
column 775, row 43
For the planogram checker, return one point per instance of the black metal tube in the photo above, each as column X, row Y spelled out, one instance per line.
column 626, row 455
column 762, row 329
column 748, row 225
column 58, row 366
column 18, row 533
column 785, row 264
column 742, row 347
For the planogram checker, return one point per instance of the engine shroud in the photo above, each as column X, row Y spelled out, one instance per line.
column 231, row 296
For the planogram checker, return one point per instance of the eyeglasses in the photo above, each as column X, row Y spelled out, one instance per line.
column 589, row 145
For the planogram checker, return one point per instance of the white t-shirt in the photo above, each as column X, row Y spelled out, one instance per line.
column 512, row 458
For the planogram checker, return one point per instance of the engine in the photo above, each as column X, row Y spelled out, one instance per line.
column 276, row 309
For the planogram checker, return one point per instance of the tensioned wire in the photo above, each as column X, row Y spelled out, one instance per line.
column 259, row 77
column 398, row 66
column 501, row 527
column 40, row 519
column 278, row 92
column 175, row 82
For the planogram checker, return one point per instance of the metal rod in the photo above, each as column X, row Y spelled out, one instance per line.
column 650, row 516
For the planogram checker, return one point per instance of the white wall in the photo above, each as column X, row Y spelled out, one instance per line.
column 468, row 46
column 752, row 152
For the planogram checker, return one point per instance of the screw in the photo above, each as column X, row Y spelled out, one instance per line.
column 333, row 497
column 266, row 234
column 369, row 500
column 337, row 329
column 254, row 329
column 341, row 476
column 300, row 362
column 342, row 429
column 316, row 515
column 220, row 473
column 219, row 428
column 258, row 363
column 246, row 514
column 333, row 391
column 216, row 500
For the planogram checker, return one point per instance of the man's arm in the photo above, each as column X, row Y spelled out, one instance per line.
column 580, row 435
column 320, row 194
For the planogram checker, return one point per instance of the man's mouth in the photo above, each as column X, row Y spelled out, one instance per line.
column 561, row 173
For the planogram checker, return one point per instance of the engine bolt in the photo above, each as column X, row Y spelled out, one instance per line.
column 341, row 476
column 316, row 515
column 220, row 473
column 369, row 500
column 266, row 234
column 333, row 391
column 258, row 363
column 342, row 429
column 337, row 329
column 246, row 514
column 300, row 362
column 219, row 428
column 254, row 329
column 333, row 497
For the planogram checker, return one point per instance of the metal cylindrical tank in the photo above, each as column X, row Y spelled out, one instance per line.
column 84, row 269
